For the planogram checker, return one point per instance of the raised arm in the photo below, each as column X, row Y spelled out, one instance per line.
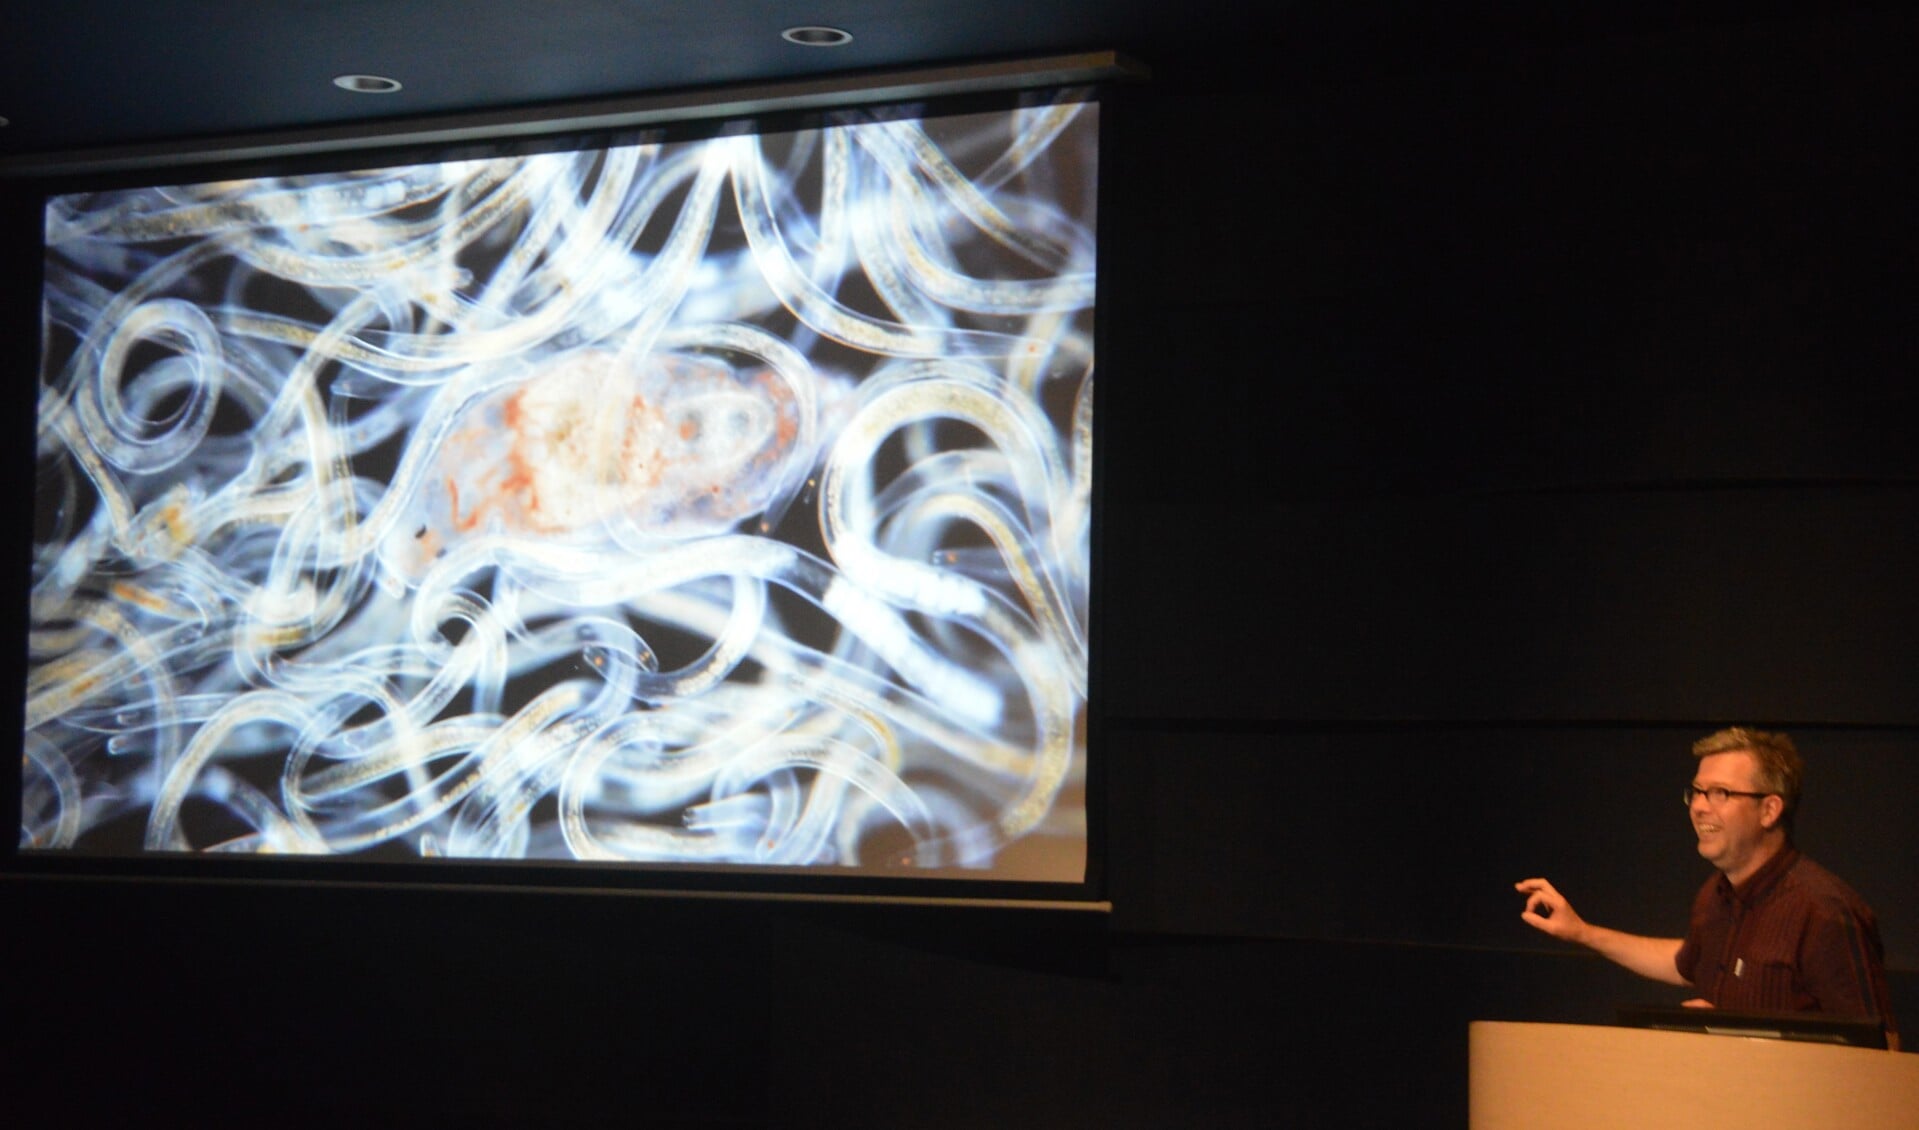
column 1548, row 911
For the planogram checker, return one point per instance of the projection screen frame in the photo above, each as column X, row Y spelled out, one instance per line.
column 368, row 144
column 598, row 116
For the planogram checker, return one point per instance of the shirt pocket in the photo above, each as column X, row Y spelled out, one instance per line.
column 1776, row 987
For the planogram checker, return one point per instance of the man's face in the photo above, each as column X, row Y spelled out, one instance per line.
column 1732, row 835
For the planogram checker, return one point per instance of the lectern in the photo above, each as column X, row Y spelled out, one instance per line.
column 1586, row 1077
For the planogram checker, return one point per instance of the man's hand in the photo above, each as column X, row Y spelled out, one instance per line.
column 1697, row 1002
column 1548, row 912
column 1558, row 918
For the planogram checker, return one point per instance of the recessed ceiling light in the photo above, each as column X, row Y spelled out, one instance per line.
column 814, row 36
column 367, row 84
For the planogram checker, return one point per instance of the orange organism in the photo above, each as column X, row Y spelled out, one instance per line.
column 678, row 446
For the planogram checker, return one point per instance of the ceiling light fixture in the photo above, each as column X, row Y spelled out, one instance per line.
column 367, row 84
column 816, row 36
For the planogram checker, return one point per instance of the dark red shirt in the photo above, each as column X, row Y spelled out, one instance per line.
column 1791, row 938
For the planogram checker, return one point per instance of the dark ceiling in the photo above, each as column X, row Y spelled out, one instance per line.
column 86, row 74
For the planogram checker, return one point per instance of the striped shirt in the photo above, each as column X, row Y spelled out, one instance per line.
column 1792, row 938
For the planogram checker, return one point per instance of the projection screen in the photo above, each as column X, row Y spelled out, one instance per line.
column 696, row 503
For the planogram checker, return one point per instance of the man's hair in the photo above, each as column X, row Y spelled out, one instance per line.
column 1780, row 768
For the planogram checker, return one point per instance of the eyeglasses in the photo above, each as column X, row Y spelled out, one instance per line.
column 1715, row 795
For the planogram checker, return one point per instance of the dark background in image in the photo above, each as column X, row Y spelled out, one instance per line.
column 1479, row 427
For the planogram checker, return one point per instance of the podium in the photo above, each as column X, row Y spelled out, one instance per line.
column 1577, row 1076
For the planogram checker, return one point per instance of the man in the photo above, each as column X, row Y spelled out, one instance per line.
column 1772, row 931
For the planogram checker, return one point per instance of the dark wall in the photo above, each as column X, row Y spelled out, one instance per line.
column 1480, row 426
column 1509, row 424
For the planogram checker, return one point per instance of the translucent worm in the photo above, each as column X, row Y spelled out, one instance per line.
column 717, row 502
